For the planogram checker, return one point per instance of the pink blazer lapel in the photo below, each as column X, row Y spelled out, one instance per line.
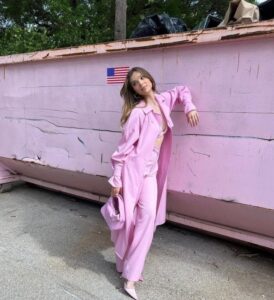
column 165, row 109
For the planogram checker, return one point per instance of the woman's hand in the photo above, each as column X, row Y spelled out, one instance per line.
column 115, row 191
column 193, row 118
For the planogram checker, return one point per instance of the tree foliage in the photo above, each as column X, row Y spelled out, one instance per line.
column 27, row 25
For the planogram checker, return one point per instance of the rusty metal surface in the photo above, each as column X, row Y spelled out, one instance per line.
column 237, row 32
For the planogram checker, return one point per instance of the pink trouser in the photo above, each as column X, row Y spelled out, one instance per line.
column 142, row 234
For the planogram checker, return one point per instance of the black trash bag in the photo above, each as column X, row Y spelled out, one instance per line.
column 266, row 9
column 158, row 24
column 212, row 20
column 178, row 24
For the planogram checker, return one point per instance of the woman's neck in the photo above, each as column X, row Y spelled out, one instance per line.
column 150, row 98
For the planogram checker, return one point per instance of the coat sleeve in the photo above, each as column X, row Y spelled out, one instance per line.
column 130, row 136
column 179, row 94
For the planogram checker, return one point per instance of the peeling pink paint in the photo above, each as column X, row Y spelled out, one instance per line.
column 60, row 123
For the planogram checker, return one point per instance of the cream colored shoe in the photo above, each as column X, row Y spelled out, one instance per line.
column 130, row 291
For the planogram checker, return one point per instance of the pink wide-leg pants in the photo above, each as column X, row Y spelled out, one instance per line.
column 142, row 234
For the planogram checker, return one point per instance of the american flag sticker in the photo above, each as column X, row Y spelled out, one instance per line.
column 117, row 75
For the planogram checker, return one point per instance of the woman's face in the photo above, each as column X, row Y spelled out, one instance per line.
column 140, row 84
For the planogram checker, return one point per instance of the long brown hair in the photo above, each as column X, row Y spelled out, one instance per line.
column 131, row 98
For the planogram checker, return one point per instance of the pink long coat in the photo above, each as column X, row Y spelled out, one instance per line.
column 135, row 147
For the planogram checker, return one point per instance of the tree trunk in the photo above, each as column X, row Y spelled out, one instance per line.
column 73, row 3
column 120, row 19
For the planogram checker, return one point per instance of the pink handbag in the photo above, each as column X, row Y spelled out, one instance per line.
column 113, row 212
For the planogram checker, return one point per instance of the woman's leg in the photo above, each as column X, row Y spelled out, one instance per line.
column 119, row 264
column 143, row 231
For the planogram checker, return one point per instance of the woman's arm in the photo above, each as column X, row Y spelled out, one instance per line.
column 130, row 136
column 179, row 94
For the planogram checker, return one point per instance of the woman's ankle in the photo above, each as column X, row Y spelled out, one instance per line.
column 129, row 284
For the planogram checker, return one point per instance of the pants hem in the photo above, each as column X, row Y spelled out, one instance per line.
column 132, row 278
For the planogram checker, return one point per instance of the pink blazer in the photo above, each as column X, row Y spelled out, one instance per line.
column 129, row 160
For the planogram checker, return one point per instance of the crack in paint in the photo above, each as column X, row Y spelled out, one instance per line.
column 258, row 71
column 61, row 126
column 31, row 108
column 46, row 131
column 100, row 138
column 191, row 171
column 62, row 86
column 226, row 136
column 113, row 111
column 58, row 117
column 81, row 141
column 208, row 155
column 234, row 112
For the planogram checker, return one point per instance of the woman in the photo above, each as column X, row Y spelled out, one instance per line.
column 140, row 167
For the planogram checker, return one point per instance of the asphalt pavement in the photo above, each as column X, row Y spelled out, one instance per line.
column 55, row 246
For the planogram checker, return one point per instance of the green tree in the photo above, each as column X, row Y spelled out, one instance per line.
column 28, row 25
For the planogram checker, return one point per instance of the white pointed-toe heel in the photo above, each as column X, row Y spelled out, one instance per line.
column 131, row 292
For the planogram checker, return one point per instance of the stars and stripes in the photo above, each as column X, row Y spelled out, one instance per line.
column 117, row 74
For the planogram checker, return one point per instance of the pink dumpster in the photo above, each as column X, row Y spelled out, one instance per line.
column 59, row 120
